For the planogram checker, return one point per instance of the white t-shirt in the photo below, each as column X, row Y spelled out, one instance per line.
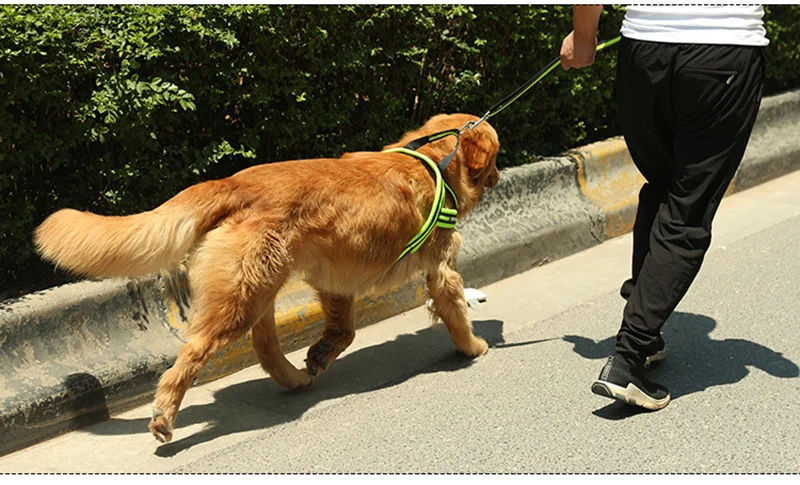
column 718, row 24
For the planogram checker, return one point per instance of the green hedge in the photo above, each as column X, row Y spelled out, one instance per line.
column 113, row 109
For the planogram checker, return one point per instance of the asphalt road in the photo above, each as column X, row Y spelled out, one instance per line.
column 402, row 400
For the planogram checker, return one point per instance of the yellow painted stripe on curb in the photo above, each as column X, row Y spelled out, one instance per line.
column 609, row 179
column 173, row 316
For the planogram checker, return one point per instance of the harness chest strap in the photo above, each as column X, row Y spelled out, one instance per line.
column 440, row 216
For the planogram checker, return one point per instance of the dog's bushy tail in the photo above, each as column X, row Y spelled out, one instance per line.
column 139, row 244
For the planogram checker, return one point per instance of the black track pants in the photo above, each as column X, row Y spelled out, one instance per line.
column 686, row 112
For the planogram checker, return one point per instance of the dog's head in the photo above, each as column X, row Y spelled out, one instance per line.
column 478, row 150
column 474, row 168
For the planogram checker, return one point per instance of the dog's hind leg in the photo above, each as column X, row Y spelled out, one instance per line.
column 446, row 288
column 234, row 275
column 268, row 350
column 338, row 334
column 176, row 381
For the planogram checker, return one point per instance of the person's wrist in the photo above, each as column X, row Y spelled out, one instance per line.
column 583, row 40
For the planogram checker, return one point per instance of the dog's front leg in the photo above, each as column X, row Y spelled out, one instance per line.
column 268, row 349
column 447, row 290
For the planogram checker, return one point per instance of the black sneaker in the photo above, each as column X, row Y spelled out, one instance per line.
column 618, row 380
column 660, row 354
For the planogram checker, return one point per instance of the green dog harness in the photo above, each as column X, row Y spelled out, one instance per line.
column 440, row 216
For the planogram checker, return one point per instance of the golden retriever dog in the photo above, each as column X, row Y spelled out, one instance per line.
column 341, row 223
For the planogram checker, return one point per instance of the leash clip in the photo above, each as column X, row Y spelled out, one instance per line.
column 472, row 124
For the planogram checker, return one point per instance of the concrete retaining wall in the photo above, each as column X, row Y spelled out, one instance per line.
column 77, row 353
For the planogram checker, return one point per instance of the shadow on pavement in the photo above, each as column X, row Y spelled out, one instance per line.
column 694, row 361
column 381, row 366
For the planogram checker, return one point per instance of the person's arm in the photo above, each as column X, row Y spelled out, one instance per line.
column 578, row 48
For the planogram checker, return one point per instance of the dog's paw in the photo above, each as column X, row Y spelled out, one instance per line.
column 477, row 347
column 304, row 382
column 313, row 368
column 160, row 426
column 292, row 378
column 317, row 360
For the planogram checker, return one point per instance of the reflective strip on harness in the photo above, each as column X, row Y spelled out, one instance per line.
column 440, row 215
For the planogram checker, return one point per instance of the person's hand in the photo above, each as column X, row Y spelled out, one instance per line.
column 577, row 52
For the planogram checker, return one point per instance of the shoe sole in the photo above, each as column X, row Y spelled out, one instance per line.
column 631, row 395
column 656, row 358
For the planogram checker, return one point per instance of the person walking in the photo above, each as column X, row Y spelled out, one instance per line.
column 689, row 84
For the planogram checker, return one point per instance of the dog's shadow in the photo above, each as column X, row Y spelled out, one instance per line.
column 377, row 367
column 694, row 362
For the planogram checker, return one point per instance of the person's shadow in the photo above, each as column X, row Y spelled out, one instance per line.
column 694, row 361
column 377, row 367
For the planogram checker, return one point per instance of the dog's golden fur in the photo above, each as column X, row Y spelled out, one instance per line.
column 340, row 222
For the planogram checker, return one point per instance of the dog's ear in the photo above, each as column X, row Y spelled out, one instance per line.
column 479, row 150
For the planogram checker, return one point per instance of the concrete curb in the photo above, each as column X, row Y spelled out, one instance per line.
column 75, row 354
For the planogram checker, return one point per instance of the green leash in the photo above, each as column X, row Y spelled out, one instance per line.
column 529, row 84
column 441, row 216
